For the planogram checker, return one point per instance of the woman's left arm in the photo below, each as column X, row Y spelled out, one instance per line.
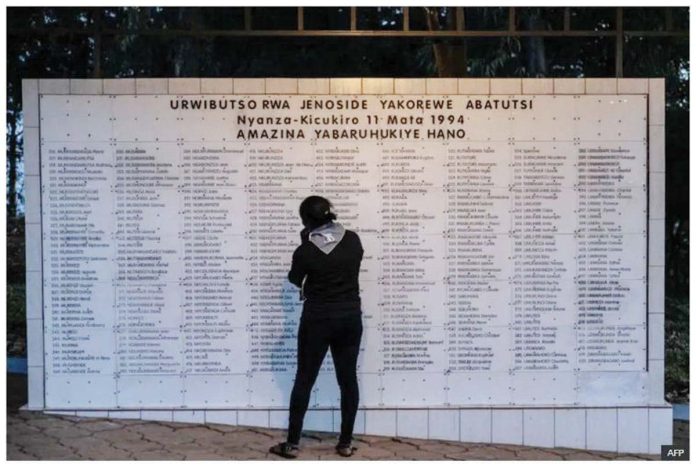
column 298, row 270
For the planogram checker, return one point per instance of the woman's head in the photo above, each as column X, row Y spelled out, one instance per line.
column 315, row 211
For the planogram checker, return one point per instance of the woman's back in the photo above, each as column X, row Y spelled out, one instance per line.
column 333, row 277
column 332, row 271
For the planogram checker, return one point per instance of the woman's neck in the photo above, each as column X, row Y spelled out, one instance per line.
column 312, row 228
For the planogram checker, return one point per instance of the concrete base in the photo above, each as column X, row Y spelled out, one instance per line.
column 635, row 429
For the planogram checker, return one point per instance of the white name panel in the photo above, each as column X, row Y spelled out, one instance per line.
column 504, row 236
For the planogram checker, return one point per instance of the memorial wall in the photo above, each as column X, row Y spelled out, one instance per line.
column 505, row 243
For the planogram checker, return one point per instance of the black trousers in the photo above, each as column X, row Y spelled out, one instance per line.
column 314, row 337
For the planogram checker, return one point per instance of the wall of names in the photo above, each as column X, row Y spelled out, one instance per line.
column 505, row 246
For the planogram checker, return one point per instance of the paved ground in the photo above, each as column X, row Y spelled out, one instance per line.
column 38, row 436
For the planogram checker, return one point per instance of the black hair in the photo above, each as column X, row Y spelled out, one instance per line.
column 315, row 211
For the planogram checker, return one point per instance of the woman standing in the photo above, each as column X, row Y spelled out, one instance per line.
column 325, row 267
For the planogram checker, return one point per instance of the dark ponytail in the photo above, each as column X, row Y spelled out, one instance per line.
column 315, row 211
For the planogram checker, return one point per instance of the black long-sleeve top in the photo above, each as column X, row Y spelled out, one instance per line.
column 332, row 279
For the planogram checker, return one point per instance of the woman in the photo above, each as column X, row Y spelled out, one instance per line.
column 325, row 267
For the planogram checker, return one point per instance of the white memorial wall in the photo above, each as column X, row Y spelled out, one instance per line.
column 506, row 227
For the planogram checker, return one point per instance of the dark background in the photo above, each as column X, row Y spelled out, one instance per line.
column 104, row 42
